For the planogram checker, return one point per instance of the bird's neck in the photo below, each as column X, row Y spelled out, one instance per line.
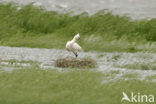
column 73, row 40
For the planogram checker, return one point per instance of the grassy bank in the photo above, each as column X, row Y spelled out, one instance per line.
column 37, row 86
column 35, row 27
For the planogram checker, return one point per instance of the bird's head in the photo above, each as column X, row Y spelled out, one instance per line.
column 77, row 36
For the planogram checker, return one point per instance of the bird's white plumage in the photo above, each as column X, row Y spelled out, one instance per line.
column 73, row 46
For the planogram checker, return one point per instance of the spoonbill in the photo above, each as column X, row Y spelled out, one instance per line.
column 74, row 47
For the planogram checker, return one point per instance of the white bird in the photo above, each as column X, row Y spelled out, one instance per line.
column 73, row 46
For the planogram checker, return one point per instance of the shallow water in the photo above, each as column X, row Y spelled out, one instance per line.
column 136, row 9
column 107, row 62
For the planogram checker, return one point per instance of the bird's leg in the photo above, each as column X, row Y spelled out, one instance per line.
column 75, row 53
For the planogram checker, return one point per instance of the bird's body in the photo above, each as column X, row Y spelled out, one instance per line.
column 73, row 46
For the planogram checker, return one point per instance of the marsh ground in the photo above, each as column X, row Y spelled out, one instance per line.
column 142, row 63
column 124, row 49
column 35, row 27
column 38, row 86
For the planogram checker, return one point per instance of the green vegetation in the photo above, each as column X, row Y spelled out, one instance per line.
column 116, row 57
column 16, row 63
column 141, row 66
column 131, row 75
column 11, row 61
column 151, row 77
column 115, row 72
column 37, row 86
column 33, row 26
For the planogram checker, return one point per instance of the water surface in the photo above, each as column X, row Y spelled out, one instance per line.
column 136, row 9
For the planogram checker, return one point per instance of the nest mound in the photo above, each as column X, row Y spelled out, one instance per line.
column 75, row 63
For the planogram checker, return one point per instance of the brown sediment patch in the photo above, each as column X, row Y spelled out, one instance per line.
column 75, row 63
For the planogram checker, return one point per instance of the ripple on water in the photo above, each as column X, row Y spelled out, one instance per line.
column 107, row 62
column 136, row 9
